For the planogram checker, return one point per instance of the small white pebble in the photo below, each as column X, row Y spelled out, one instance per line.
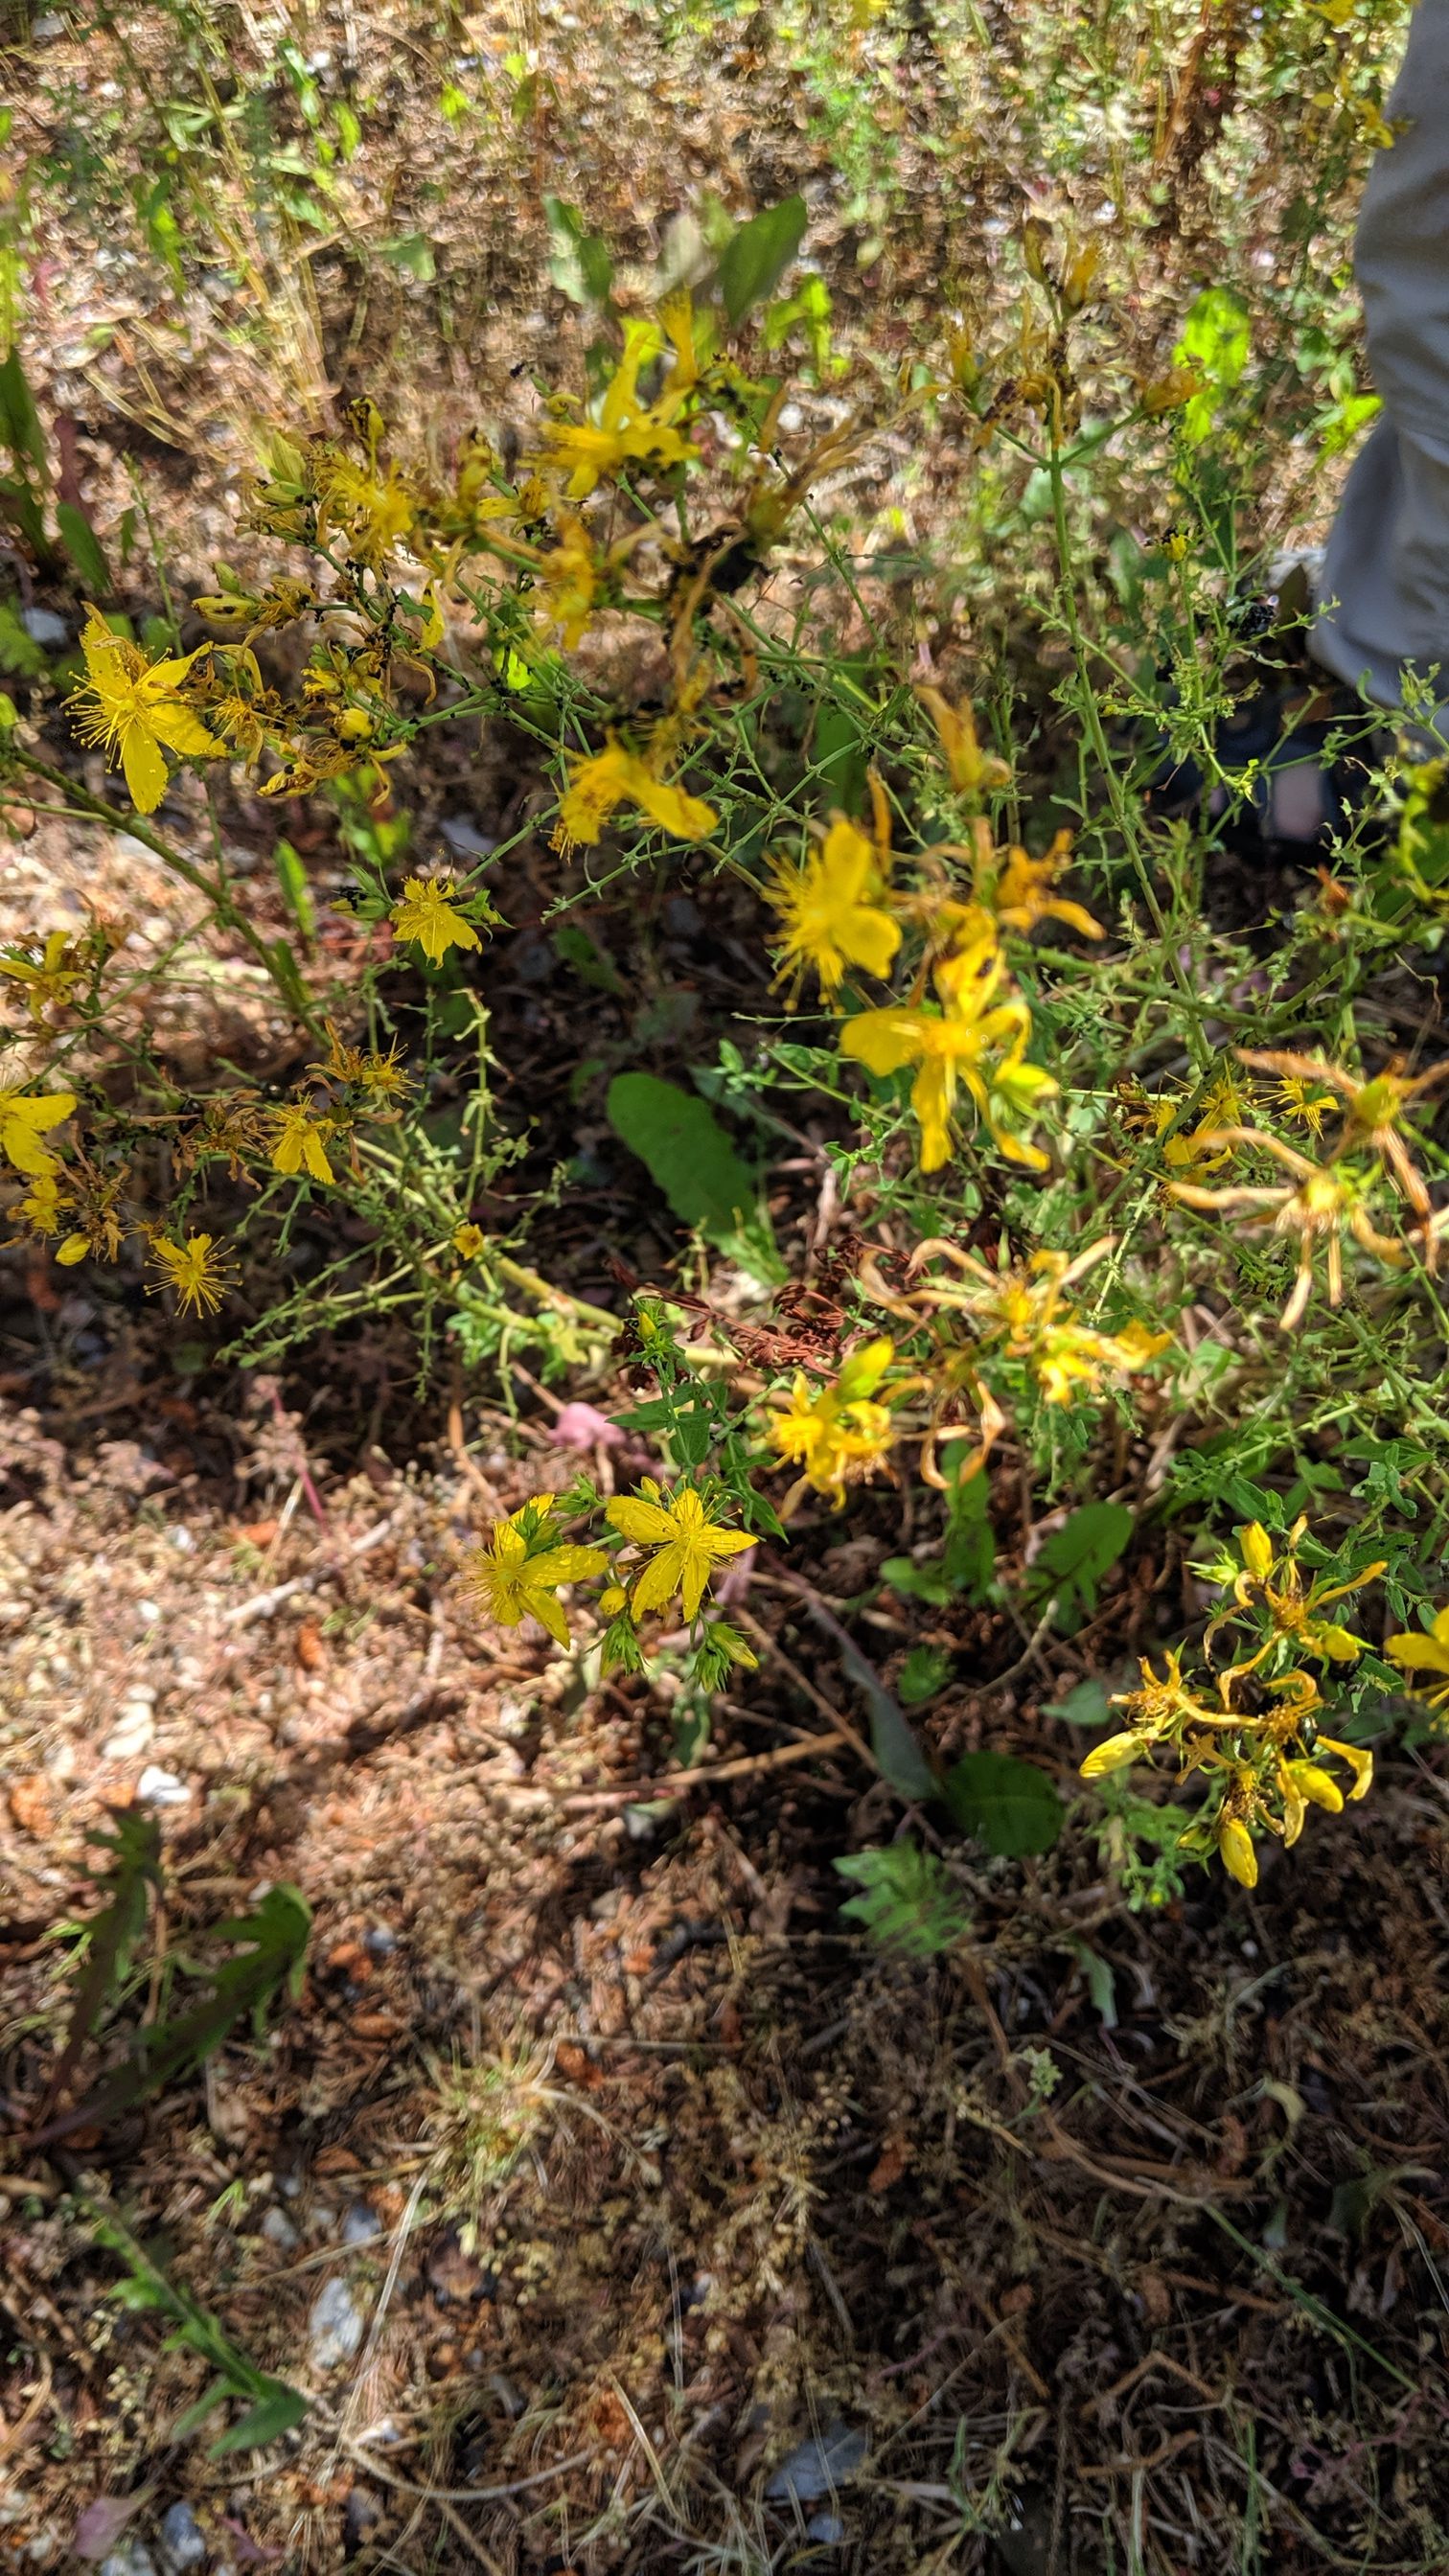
column 157, row 1788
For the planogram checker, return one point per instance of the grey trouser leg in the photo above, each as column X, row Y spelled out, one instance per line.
column 1385, row 578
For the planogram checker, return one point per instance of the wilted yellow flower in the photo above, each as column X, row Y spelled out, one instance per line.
column 1320, row 1206
column 689, row 1543
column 972, row 1040
column 1235, row 1846
column 425, row 912
column 199, row 1273
column 1372, row 1110
column 973, row 771
column 837, row 1433
column 298, row 1141
column 132, row 708
column 26, row 1116
column 829, row 909
column 614, row 777
column 516, row 1577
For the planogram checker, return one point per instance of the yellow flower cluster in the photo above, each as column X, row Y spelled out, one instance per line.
column 965, row 1029
column 676, row 1541
column 840, row 1433
column 1017, row 1322
column 1325, row 1201
column 1269, row 1763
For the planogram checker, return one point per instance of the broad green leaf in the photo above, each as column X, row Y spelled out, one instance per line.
column 412, row 253
column 926, row 1670
column 1009, row 1805
column 1072, row 1563
column 84, row 549
column 917, row 1582
column 275, row 2413
column 1087, row 1705
column 578, row 260
column 755, row 261
column 1215, row 343
column 691, row 1160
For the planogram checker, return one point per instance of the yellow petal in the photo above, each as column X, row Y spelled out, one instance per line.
column 74, row 1249
column 145, row 768
column 1418, row 1654
column 1114, row 1753
column 645, row 1522
column 547, row 1611
column 659, row 1581
column 1257, row 1548
column 884, row 1040
column 1239, row 1859
column 566, row 1564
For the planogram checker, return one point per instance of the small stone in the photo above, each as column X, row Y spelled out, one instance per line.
column 335, row 2326
column 464, row 838
column 148, row 1612
column 380, row 1942
column 181, row 2542
column 43, row 31
column 827, row 2528
column 133, row 1731
column 41, row 624
column 819, row 2466
column 157, row 1788
column 279, row 2231
column 360, row 2224
column 133, row 2558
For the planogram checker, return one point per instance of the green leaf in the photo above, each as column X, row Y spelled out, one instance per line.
column 916, row 1582
column 907, row 1901
column 1008, row 1805
column 589, row 962
column 691, row 1160
column 578, row 261
column 1088, row 1705
column 1215, row 342
column 968, row 1559
column 274, row 2413
column 84, row 549
column 296, row 892
column 412, row 253
column 20, row 425
column 926, row 1670
column 756, row 259
column 1072, row 1563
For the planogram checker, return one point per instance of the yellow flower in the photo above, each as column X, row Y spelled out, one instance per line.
column 48, row 980
column 1312, row 1107
column 612, row 1600
column 957, row 1044
column 569, row 583
column 838, row 1433
column 829, row 912
column 1161, row 1707
column 1427, row 1653
column 468, row 1241
column 973, row 770
column 627, row 429
column 425, row 912
column 297, row 1141
column 689, row 1544
column 614, row 777
column 132, row 707
column 515, row 1578
column 199, row 1274
column 25, row 1116
column 1293, row 1610
column 371, row 511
